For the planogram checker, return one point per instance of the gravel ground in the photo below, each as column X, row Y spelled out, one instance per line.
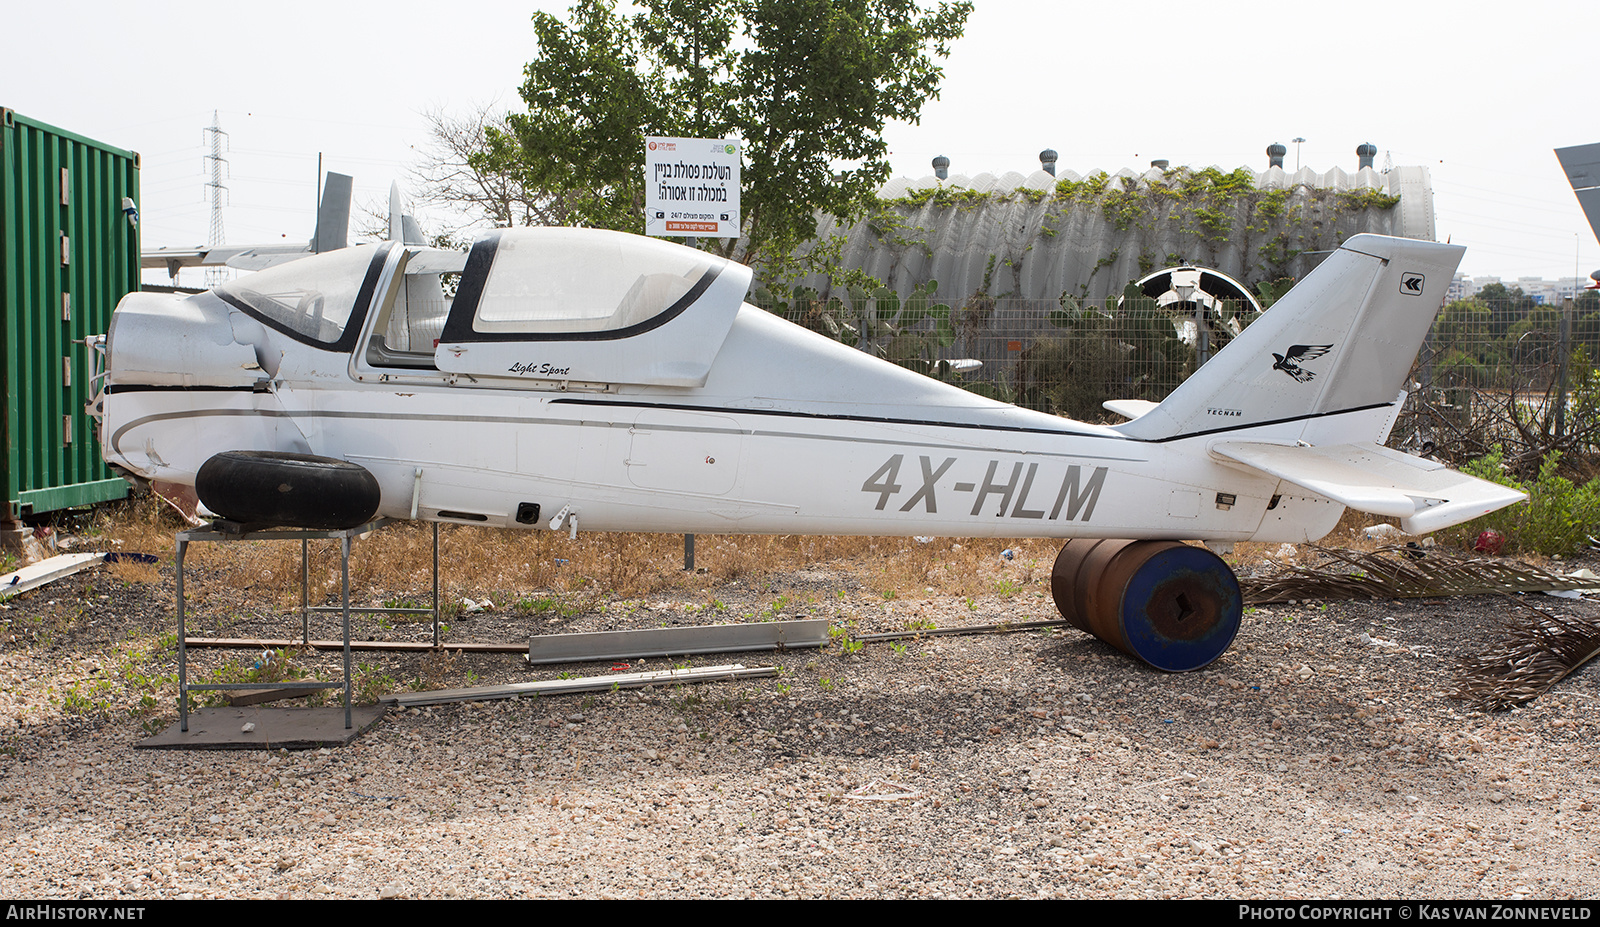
column 1320, row 757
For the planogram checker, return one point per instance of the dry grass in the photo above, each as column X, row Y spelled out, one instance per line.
column 515, row 565
column 1348, row 534
column 128, row 571
column 437, row 669
column 141, row 523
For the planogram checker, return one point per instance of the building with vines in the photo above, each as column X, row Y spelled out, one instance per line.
column 1043, row 236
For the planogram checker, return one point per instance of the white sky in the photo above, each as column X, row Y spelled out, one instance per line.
column 1480, row 98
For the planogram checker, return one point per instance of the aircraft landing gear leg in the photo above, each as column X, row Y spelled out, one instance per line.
column 1170, row 605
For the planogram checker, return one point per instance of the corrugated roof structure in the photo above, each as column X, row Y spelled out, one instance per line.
column 1041, row 237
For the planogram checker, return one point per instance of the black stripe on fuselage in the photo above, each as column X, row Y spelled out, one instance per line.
column 897, row 441
column 980, row 426
column 145, row 388
column 722, row 410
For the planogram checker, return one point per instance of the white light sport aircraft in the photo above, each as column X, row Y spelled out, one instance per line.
column 592, row 377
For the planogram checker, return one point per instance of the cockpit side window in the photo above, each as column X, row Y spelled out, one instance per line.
column 318, row 300
column 410, row 320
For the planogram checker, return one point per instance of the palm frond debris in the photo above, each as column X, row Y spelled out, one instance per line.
column 1537, row 653
column 1397, row 573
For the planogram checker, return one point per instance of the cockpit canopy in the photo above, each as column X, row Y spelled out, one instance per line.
column 563, row 281
column 590, row 306
column 575, row 306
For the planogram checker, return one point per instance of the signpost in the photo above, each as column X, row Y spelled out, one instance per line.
column 691, row 187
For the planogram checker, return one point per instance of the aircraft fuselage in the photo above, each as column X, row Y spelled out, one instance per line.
column 724, row 458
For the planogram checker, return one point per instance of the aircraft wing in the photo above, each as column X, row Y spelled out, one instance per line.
column 170, row 258
column 1425, row 495
column 260, row 257
column 243, row 257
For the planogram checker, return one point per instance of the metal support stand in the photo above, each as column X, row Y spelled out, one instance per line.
column 688, row 553
column 435, row 584
column 307, row 609
column 304, row 536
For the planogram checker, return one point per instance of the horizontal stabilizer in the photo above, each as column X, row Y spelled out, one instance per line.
column 1423, row 494
column 1129, row 408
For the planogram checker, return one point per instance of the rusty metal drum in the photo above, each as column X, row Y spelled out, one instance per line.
column 1173, row 606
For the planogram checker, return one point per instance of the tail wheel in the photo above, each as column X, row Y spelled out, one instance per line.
column 291, row 490
column 1170, row 605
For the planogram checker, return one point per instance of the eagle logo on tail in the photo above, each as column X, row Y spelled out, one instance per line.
column 1289, row 361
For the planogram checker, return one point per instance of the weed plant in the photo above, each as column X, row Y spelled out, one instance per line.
column 1556, row 520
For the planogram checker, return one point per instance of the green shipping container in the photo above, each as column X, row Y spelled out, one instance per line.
column 68, row 253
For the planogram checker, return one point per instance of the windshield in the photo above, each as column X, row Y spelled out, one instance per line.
column 313, row 298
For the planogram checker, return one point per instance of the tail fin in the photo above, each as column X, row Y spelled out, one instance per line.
column 403, row 226
column 1327, row 360
column 1582, row 164
column 333, row 214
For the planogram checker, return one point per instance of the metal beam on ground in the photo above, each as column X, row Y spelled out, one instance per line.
column 274, row 643
column 45, row 572
column 583, row 684
column 673, row 642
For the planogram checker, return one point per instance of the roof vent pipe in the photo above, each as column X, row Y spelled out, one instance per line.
column 941, row 167
column 1366, row 151
column 1275, row 153
column 1047, row 160
column 1160, row 163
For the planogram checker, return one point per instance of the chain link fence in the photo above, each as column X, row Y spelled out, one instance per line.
column 1493, row 373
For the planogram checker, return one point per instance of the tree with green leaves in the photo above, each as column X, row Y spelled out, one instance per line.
column 807, row 85
column 1506, row 306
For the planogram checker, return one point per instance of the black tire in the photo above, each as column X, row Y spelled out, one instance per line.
column 261, row 488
